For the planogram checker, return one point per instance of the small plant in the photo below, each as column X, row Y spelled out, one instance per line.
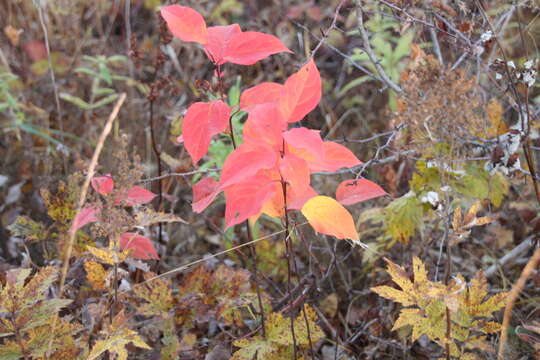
column 269, row 173
column 102, row 92
column 454, row 315
column 27, row 312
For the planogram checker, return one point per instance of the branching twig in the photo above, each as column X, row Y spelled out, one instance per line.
column 327, row 32
column 369, row 50
column 341, row 53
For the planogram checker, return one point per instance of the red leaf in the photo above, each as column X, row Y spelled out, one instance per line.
column 141, row 247
column 302, row 93
column 202, row 121
column 265, row 125
column 246, row 199
column 266, row 92
column 204, row 192
column 274, row 207
column 294, row 171
column 244, row 162
column 246, row 48
column 218, row 40
column 104, row 185
column 335, row 157
column 297, row 197
column 36, row 50
column 185, row 23
column 306, row 144
column 137, row 196
column 87, row 215
column 352, row 191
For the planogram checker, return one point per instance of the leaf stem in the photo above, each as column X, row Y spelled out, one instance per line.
column 252, row 249
column 288, row 256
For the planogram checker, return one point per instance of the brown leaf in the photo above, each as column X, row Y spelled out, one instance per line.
column 13, row 34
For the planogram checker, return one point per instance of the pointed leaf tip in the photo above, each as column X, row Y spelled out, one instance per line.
column 185, row 23
column 246, row 48
column 302, row 92
column 138, row 195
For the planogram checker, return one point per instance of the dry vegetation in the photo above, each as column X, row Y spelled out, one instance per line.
column 441, row 105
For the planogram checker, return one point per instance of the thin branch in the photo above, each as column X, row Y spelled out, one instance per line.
column 369, row 50
column 51, row 70
column 341, row 53
column 327, row 32
column 512, row 254
column 185, row 174
column 370, row 163
column 512, row 297
column 82, row 199
column 435, row 41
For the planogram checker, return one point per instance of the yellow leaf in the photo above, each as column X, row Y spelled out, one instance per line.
column 96, row 274
column 329, row 217
column 107, row 256
column 496, row 121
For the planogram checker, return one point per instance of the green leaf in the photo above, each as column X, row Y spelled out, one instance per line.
column 75, row 101
column 403, row 216
column 28, row 229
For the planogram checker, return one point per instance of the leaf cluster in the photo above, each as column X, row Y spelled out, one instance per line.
column 457, row 314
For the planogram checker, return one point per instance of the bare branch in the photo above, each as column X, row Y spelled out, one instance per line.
column 369, row 50
column 189, row 173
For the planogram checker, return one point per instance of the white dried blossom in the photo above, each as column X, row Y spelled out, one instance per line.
column 431, row 197
column 498, row 76
column 529, row 64
column 529, row 77
column 488, row 35
column 511, row 64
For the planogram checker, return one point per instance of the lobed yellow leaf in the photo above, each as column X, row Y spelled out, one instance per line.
column 394, row 295
column 108, row 256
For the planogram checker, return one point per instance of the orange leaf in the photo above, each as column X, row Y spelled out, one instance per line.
column 329, row 217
